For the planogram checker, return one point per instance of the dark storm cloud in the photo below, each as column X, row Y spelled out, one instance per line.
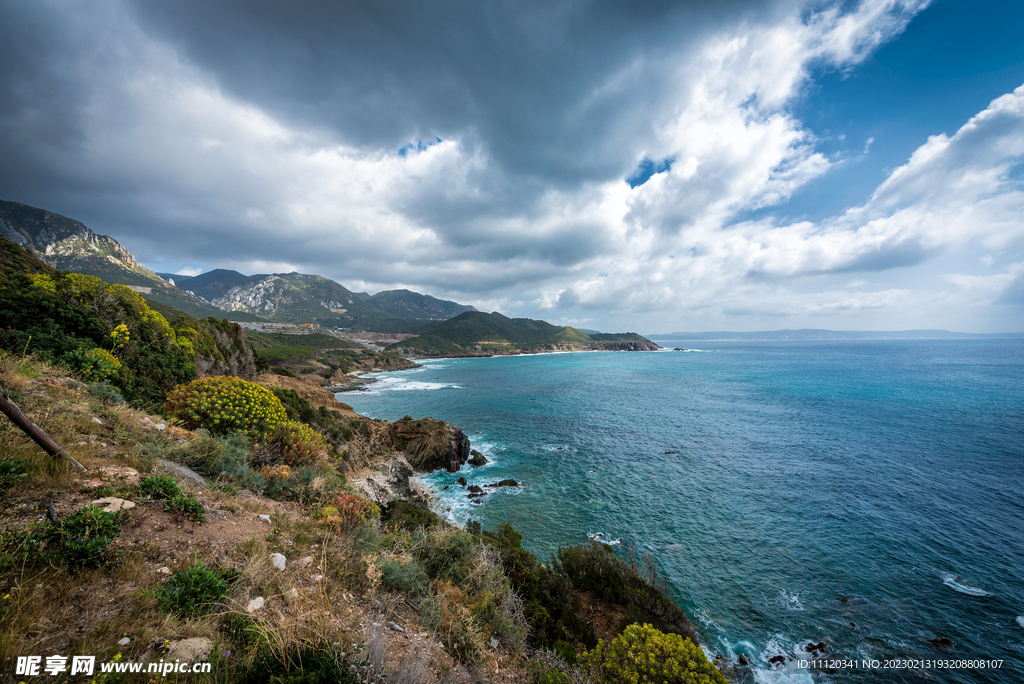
column 525, row 75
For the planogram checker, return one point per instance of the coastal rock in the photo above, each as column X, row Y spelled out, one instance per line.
column 816, row 647
column 505, row 483
column 941, row 642
column 461, row 481
column 743, row 660
column 476, row 458
column 431, row 444
column 777, row 660
column 476, row 489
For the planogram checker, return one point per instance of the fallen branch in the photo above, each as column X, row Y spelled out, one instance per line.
column 37, row 434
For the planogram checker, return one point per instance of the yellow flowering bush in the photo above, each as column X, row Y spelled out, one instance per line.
column 96, row 364
column 645, row 655
column 298, row 444
column 120, row 335
column 223, row 404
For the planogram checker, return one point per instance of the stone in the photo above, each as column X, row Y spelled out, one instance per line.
column 941, row 642
column 184, row 473
column 304, row 562
column 278, row 561
column 777, row 660
column 264, row 517
column 462, row 481
column 505, row 483
column 743, row 660
column 124, row 642
column 476, row 458
column 476, row 489
column 111, row 504
column 397, row 628
column 494, row 643
column 292, row 594
column 816, row 647
column 164, row 570
column 189, row 650
column 97, row 420
column 255, row 604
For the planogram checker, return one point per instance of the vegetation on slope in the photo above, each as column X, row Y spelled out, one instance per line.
column 475, row 332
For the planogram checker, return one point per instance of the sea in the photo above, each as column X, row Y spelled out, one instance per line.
column 868, row 494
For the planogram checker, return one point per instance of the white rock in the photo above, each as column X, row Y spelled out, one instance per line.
column 395, row 627
column 124, row 642
column 97, row 420
column 263, row 516
column 293, row 594
column 112, row 504
column 255, row 604
column 160, row 426
column 278, row 560
column 494, row 643
column 164, row 570
column 304, row 562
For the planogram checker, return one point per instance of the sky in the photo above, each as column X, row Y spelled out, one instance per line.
column 646, row 166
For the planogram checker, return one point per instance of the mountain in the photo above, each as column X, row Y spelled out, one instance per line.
column 69, row 245
column 476, row 333
column 409, row 304
column 287, row 298
column 216, row 283
column 816, row 334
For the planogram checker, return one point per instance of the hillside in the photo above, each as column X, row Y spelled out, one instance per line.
column 477, row 333
column 409, row 304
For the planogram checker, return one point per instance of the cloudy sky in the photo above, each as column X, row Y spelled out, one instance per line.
column 652, row 166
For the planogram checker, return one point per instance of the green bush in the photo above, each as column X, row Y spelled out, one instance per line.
column 80, row 540
column 11, row 473
column 192, row 592
column 95, row 364
column 319, row 663
column 593, row 567
column 446, row 554
column 408, row 515
column 644, row 655
column 403, row 574
column 69, row 318
column 224, row 404
column 297, row 444
column 551, row 608
column 188, row 506
column 159, row 487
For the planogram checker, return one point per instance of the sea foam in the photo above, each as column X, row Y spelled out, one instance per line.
column 956, row 583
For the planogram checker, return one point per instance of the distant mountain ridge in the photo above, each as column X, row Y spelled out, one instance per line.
column 409, row 304
column 476, row 333
column 818, row 334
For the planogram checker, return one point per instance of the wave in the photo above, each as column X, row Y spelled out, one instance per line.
column 1020, row 620
column 601, row 538
column 957, row 584
column 404, row 385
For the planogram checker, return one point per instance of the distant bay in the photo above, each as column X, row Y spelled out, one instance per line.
column 770, row 480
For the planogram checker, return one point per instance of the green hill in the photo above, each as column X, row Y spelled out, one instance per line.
column 409, row 304
column 478, row 333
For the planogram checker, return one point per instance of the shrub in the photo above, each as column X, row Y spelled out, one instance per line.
column 354, row 509
column 80, row 540
column 298, row 444
column 551, row 608
column 192, row 592
column 318, row 663
column 644, row 655
column 11, row 473
column 188, row 506
column 446, row 554
column 403, row 573
column 160, row 487
column 224, row 404
column 593, row 567
column 95, row 364
column 408, row 515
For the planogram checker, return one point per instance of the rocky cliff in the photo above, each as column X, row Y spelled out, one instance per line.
column 431, row 444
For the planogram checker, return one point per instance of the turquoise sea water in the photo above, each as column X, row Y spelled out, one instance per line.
column 769, row 480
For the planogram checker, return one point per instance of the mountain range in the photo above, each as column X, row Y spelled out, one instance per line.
column 296, row 298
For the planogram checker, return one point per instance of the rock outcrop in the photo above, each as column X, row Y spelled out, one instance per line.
column 431, row 444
